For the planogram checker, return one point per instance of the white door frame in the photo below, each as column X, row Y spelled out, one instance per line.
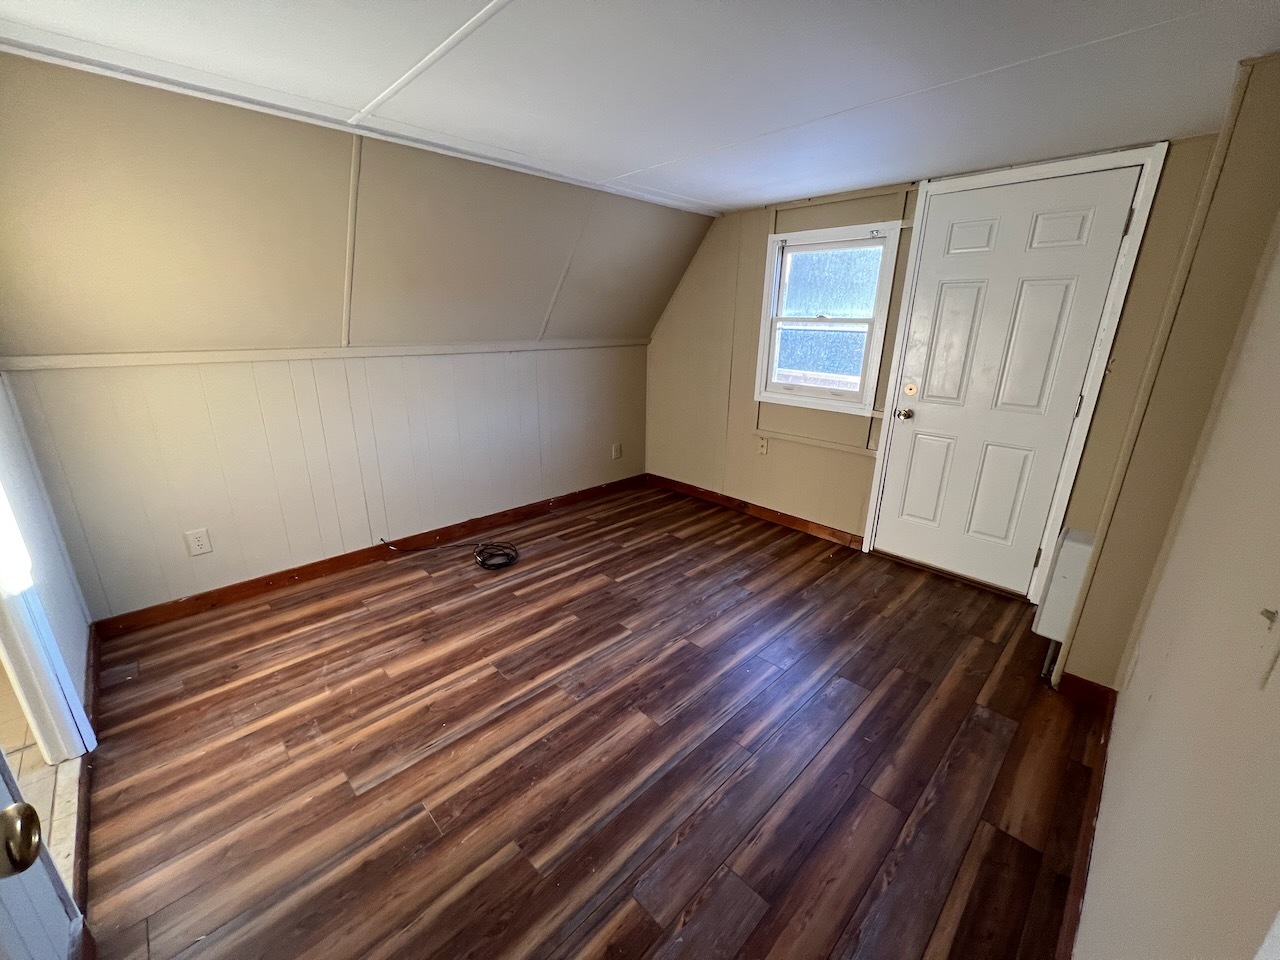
column 29, row 650
column 1151, row 160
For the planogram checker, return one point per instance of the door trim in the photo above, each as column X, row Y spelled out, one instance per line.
column 1151, row 161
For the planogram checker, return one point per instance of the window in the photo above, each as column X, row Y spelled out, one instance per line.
column 826, row 300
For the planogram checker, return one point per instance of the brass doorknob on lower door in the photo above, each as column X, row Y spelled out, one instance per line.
column 905, row 413
column 20, row 833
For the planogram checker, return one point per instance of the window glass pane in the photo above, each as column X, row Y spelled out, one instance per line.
column 831, row 282
column 816, row 354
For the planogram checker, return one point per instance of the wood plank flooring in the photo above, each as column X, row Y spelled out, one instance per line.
column 672, row 730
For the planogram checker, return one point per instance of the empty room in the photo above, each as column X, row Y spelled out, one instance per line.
column 619, row 480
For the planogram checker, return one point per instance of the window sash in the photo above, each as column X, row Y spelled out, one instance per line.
column 835, row 388
column 788, row 249
column 830, row 395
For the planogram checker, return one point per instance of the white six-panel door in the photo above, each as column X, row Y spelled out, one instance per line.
column 36, row 913
column 1010, row 286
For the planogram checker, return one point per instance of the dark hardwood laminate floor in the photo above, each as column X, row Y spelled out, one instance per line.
column 671, row 730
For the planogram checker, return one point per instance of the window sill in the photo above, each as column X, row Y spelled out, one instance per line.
column 806, row 401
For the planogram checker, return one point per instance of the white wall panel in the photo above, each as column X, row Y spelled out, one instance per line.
column 136, row 444
column 319, row 473
column 340, row 449
column 441, row 397
column 287, row 462
column 52, row 575
column 393, row 443
column 189, row 459
column 234, row 410
column 59, row 491
column 366, row 448
column 81, row 413
column 283, row 424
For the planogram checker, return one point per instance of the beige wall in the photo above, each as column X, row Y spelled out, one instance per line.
column 1245, row 200
column 1137, row 335
column 1186, row 857
column 703, row 426
column 136, row 219
column 139, row 220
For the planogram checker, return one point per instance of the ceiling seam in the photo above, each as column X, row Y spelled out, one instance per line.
column 913, row 93
column 486, row 13
column 204, row 92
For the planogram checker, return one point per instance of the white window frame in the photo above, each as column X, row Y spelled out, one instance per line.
column 861, row 401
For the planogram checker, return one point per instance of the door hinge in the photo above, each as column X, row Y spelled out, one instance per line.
column 1079, row 405
column 1128, row 222
column 1039, row 554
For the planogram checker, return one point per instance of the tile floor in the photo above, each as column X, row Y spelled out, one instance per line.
column 53, row 790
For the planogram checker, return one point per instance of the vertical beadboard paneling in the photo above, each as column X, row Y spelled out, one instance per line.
column 481, row 460
column 136, row 444
column 80, row 408
column 232, row 396
column 440, row 399
column 286, row 462
column 189, row 458
column 366, row 447
column 531, row 466
column 319, row 472
column 282, row 423
column 420, row 443
column 49, row 461
column 340, row 445
column 393, row 441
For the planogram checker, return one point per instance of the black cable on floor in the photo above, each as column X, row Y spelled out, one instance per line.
column 490, row 556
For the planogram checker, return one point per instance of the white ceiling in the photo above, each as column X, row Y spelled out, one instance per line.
column 703, row 104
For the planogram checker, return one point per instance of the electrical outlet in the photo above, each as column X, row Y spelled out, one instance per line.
column 616, row 452
column 762, row 445
column 198, row 542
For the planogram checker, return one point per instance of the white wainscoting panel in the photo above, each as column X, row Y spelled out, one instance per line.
column 290, row 461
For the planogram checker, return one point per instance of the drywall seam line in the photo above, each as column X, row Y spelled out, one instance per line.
column 487, row 12
column 48, row 54
column 568, row 262
column 787, row 128
column 733, row 337
column 353, row 195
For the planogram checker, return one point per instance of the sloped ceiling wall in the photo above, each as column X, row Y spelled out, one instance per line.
column 138, row 220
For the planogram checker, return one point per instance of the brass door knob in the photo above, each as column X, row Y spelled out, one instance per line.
column 904, row 413
column 20, row 833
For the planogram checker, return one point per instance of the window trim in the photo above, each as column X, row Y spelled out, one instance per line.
column 839, row 401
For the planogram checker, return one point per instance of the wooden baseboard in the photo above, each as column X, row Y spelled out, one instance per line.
column 162, row 613
column 83, row 946
column 1086, row 691
column 764, row 513
column 1102, row 699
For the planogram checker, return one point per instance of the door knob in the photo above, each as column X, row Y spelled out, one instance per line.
column 904, row 413
column 20, row 836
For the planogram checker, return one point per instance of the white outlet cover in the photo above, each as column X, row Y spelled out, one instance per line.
column 198, row 542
